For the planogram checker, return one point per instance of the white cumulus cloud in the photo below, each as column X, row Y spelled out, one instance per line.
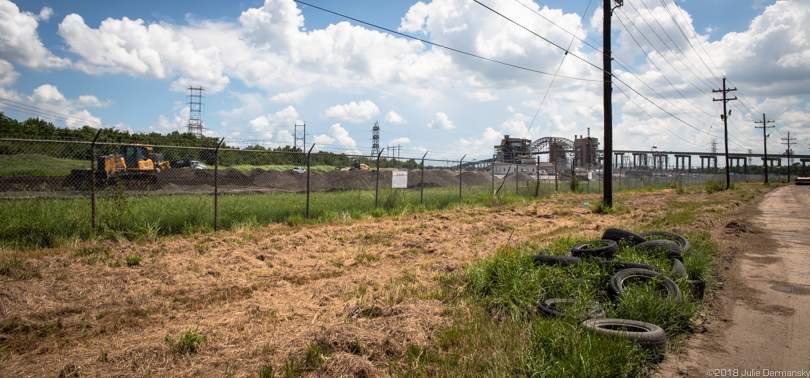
column 394, row 119
column 354, row 111
column 19, row 40
column 151, row 51
column 441, row 122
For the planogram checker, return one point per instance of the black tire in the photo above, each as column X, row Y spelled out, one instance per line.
column 616, row 284
column 619, row 265
column 600, row 248
column 558, row 260
column 678, row 270
column 618, row 235
column 697, row 288
column 669, row 248
column 647, row 335
column 686, row 247
column 549, row 307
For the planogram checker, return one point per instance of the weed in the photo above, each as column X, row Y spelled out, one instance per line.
column 714, row 186
column 7, row 267
column 190, row 341
column 575, row 185
column 266, row 372
column 133, row 260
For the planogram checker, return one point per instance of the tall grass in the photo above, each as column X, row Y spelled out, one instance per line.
column 497, row 330
column 49, row 222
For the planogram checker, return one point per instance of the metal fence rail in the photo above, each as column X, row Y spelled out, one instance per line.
column 219, row 184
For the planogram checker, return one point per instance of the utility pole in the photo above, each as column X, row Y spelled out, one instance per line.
column 607, row 88
column 788, row 141
column 725, row 122
column 765, row 128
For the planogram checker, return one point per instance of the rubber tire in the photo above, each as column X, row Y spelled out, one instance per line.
column 616, row 284
column 548, row 307
column 670, row 248
column 686, row 247
column 584, row 250
column 617, row 235
column 627, row 265
column 556, row 260
column 678, row 270
column 647, row 335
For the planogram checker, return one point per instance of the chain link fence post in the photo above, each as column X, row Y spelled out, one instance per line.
column 93, row 179
column 422, row 181
column 216, row 185
column 537, row 178
column 459, row 175
column 377, row 180
column 309, row 154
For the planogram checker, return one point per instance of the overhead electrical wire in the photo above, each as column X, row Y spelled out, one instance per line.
column 573, row 36
column 439, row 45
column 591, row 64
column 661, row 72
column 688, row 66
column 685, row 37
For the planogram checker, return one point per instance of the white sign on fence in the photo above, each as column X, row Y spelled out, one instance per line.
column 399, row 180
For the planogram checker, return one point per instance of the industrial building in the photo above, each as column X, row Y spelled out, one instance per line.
column 586, row 152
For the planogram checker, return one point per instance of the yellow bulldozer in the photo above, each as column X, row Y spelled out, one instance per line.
column 132, row 165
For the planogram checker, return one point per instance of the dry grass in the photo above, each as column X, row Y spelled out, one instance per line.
column 338, row 299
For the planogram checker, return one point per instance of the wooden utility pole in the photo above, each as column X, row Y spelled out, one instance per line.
column 788, row 141
column 765, row 128
column 607, row 88
column 725, row 123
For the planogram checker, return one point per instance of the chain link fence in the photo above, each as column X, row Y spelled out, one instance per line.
column 88, row 187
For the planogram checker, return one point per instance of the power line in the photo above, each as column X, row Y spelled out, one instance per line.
column 439, row 45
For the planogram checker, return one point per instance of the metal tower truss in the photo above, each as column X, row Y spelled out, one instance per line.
column 555, row 147
column 375, row 138
column 195, row 104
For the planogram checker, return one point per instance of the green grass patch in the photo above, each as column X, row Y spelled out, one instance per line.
column 38, row 165
column 498, row 331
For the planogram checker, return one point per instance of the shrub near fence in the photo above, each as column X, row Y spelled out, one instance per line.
column 49, row 198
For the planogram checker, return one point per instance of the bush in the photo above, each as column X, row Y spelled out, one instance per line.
column 190, row 341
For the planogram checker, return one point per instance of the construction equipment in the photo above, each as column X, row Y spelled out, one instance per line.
column 356, row 165
column 802, row 178
column 131, row 165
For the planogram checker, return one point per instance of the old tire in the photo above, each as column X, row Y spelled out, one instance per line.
column 619, row 265
column 666, row 235
column 556, row 260
column 617, row 281
column 647, row 335
column 549, row 307
column 669, row 248
column 678, row 270
column 618, row 235
column 599, row 248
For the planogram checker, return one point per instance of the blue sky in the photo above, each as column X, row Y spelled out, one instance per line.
column 266, row 65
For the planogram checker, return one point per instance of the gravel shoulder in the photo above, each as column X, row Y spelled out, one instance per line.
column 759, row 319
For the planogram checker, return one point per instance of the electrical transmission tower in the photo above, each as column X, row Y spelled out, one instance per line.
column 714, row 145
column 195, row 103
column 725, row 123
column 300, row 135
column 765, row 128
column 375, row 138
column 788, row 142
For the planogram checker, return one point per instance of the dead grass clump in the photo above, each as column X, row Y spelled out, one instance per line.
column 302, row 279
column 218, row 295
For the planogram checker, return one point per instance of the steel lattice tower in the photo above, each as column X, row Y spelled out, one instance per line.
column 195, row 104
column 300, row 135
column 375, row 139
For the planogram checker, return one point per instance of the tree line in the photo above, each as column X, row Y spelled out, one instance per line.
column 38, row 129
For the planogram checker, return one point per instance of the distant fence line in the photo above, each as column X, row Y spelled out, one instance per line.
column 31, row 168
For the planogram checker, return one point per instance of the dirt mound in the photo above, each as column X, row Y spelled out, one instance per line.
column 254, row 172
column 232, row 174
column 476, row 178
